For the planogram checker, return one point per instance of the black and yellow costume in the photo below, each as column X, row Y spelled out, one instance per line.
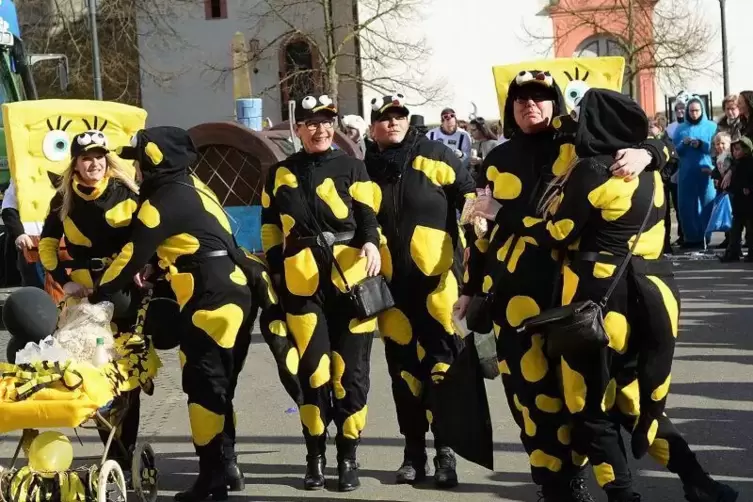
column 420, row 185
column 518, row 172
column 594, row 220
column 182, row 221
column 303, row 195
column 95, row 228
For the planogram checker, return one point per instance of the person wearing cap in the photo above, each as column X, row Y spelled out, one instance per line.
column 217, row 286
column 522, row 277
column 92, row 209
column 420, row 186
column 457, row 139
column 315, row 192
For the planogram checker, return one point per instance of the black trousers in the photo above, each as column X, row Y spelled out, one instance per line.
column 742, row 219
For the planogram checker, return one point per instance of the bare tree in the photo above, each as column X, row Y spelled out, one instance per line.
column 369, row 43
column 668, row 37
column 62, row 26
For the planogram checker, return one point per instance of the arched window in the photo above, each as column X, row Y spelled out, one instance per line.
column 298, row 72
column 604, row 45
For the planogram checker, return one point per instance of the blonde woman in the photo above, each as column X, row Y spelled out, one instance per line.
column 92, row 211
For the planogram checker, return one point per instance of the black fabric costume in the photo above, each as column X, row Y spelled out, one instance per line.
column 95, row 229
column 215, row 284
column 518, row 173
column 304, row 194
column 420, row 185
column 595, row 220
column 742, row 203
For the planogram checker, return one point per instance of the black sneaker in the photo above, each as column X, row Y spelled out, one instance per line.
column 709, row 490
column 445, row 475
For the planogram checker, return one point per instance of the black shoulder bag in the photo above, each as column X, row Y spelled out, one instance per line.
column 369, row 297
column 580, row 326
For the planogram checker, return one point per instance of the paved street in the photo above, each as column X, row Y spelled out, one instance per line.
column 711, row 402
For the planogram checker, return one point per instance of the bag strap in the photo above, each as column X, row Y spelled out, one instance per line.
column 629, row 255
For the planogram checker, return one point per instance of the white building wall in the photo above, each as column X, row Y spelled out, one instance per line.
column 194, row 95
column 467, row 39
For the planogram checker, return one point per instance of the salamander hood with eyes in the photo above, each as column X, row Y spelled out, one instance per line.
column 603, row 122
column 525, row 83
column 162, row 153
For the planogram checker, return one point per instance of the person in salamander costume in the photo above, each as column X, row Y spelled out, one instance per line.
column 594, row 218
column 92, row 210
column 419, row 185
column 520, row 273
column 317, row 207
column 217, row 285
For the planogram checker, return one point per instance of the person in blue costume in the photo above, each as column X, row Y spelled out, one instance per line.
column 693, row 139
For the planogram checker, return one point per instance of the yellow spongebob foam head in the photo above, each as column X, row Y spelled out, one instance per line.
column 38, row 136
column 574, row 76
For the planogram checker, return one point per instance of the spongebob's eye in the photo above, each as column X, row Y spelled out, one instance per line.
column 55, row 145
column 574, row 92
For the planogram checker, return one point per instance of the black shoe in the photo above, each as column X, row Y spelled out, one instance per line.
column 412, row 471
column 575, row 491
column 209, row 484
column 347, row 472
column 444, row 468
column 709, row 490
column 236, row 482
column 314, row 478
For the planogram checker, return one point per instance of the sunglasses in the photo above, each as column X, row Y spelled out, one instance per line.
column 448, row 116
column 536, row 98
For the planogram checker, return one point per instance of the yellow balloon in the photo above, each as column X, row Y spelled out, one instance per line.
column 51, row 451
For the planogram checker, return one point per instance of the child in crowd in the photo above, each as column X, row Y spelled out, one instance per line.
column 741, row 192
column 722, row 160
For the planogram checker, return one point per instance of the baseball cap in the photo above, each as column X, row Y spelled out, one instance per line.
column 310, row 107
column 379, row 106
column 87, row 141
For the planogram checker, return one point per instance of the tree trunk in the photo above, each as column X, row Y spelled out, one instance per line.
column 333, row 82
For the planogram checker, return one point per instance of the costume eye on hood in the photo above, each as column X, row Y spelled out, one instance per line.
column 525, row 81
column 161, row 150
column 310, row 107
column 89, row 140
column 380, row 106
column 604, row 122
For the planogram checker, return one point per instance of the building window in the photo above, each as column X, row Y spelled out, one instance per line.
column 215, row 9
column 602, row 46
column 298, row 72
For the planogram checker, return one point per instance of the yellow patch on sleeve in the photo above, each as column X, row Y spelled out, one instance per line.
column 438, row 172
column 327, row 192
column 74, row 235
column 363, row 192
column 82, row 276
column 48, row 252
column 662, row 390
column 561, row 229
column 283, row 177
column 149, row 215
column 121, row 214
column 507, row 186
column 604, row 474
column 265, row 200
column 271, row 236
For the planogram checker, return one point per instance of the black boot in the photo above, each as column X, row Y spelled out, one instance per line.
column 705, row 489
column 347, row 466
column 236, row 482
column 210, row 483
column 315, row 463
column 573, row 491
column 414, row 465
column 444, row 468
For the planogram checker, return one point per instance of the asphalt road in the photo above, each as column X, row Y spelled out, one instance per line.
column 711, row 401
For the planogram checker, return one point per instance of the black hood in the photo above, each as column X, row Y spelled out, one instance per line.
column 524, row 82
column 163, row 154
column 604, row 122
column 388, row 164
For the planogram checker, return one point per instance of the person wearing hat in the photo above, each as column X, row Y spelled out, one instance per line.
column 457, row 139
column 218, row 287
column 95, row 202
column 517, row 173
column 315, row 192
column 422, row 185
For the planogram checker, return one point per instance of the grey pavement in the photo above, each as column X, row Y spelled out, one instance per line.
column 711, row 402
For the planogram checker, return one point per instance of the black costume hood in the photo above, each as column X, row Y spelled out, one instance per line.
column 163, row 153
column 524, row 82
column 604, row 122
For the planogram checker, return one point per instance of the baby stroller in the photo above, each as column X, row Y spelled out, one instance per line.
column 73, row 394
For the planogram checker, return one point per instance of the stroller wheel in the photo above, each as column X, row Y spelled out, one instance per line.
column 111, row 486
column 144, row 473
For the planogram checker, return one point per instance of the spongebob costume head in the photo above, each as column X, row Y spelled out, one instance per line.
column 574, row 76
column 38, row 136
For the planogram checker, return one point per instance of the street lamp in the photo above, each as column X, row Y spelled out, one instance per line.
column 725, row 56
column 95, row 49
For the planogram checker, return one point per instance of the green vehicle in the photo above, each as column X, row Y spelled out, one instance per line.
column 16, row 80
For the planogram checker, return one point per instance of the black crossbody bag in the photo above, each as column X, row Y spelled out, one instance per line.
column 580, row 325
